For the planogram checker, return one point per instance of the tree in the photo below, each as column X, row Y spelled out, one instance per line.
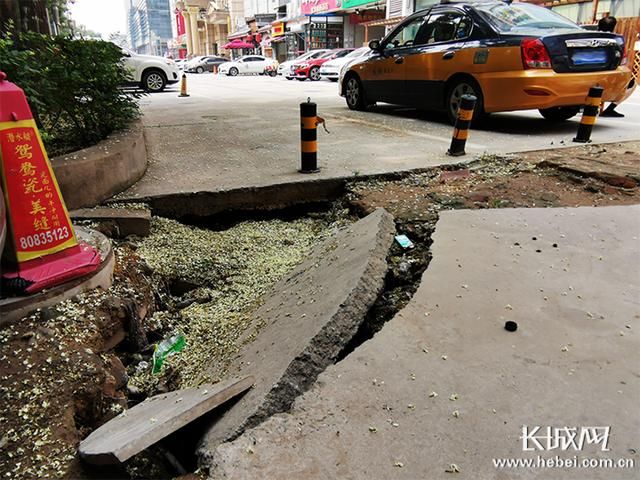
column 49, row 17
column 119, row 39
column 80, row 31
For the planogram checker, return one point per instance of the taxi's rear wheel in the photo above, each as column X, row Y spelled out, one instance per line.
column 559, row 114
column 354, row 94
column 464, row 86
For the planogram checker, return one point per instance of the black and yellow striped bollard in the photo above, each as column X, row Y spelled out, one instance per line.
column 183, row 86
column 461, row 128
column 309, row 137
column 591, row 111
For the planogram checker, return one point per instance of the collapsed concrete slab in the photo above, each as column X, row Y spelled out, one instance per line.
column 119, row 222
column 444, row 390
column 154, row 419
column 306, row 321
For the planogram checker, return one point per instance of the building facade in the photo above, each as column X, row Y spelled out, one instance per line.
column 205, row 26
column 284, row 29
column 590, row 11
column 149, row 26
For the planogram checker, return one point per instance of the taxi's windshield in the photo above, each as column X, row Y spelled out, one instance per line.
column 517, row 17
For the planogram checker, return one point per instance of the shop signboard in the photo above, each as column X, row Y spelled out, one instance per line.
column 309, row 7
column 277, row 29
column 355, row 3
column 366, row 16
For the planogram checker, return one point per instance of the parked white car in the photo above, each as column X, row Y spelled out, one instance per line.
column 245, row 65
column 149, row 72
column 285, row 68
column 331, row 69
column 204, row 63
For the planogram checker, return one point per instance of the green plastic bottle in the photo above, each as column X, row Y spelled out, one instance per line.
column 165, row 348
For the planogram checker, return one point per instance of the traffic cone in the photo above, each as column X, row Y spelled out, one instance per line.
column 41, row 248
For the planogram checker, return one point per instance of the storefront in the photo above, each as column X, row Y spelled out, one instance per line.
column 278, row 43
column 265, row 41
column 244, row 43
column 359, row 13
column 377, row 29
column 325, row 31
column 295, row 33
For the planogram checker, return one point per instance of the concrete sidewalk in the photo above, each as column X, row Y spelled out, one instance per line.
column 244, row 132
column 444, row 387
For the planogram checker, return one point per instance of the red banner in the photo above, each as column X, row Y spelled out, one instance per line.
column 180, row 27
column 40, row 224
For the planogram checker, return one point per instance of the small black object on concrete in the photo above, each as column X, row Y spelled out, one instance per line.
column 510, row 326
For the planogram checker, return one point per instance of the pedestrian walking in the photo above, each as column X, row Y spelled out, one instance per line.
column 608, row 24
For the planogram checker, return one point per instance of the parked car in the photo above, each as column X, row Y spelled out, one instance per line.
column 510, row 56
column 310, row 68
column 246, row 64
column 150, row 73
column 204, row 64
column 285, row 67
column 180, row 63
column 331, row 69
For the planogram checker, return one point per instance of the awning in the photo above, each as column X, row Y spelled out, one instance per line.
column 238, row 34
column 383, row 22
column 238, row 44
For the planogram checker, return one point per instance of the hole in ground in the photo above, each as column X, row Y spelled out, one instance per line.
column 406, row 267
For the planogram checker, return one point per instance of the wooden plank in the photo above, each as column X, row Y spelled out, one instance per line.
column 152, row 420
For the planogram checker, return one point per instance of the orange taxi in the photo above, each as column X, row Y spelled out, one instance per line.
column 511, row 56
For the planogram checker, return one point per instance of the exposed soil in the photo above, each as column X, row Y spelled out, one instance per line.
column 60, row 376
column 491, row 182
column 66, row 370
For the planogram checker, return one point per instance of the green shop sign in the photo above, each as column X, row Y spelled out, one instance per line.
column 354, row 3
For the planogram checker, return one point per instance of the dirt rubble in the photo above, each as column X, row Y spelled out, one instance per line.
column 66, row 370
column 490, row 181
column 60, row 376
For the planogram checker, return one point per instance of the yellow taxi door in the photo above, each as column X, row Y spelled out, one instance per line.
column 439, row 53
column 383, row 75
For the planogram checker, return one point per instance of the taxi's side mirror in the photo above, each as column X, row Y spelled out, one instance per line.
column 375, row 45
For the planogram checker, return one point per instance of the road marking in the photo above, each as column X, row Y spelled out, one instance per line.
column 610, row 123
column 412, row 133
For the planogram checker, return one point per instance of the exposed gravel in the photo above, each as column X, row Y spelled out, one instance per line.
column 53, row 378
column 235, row 268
